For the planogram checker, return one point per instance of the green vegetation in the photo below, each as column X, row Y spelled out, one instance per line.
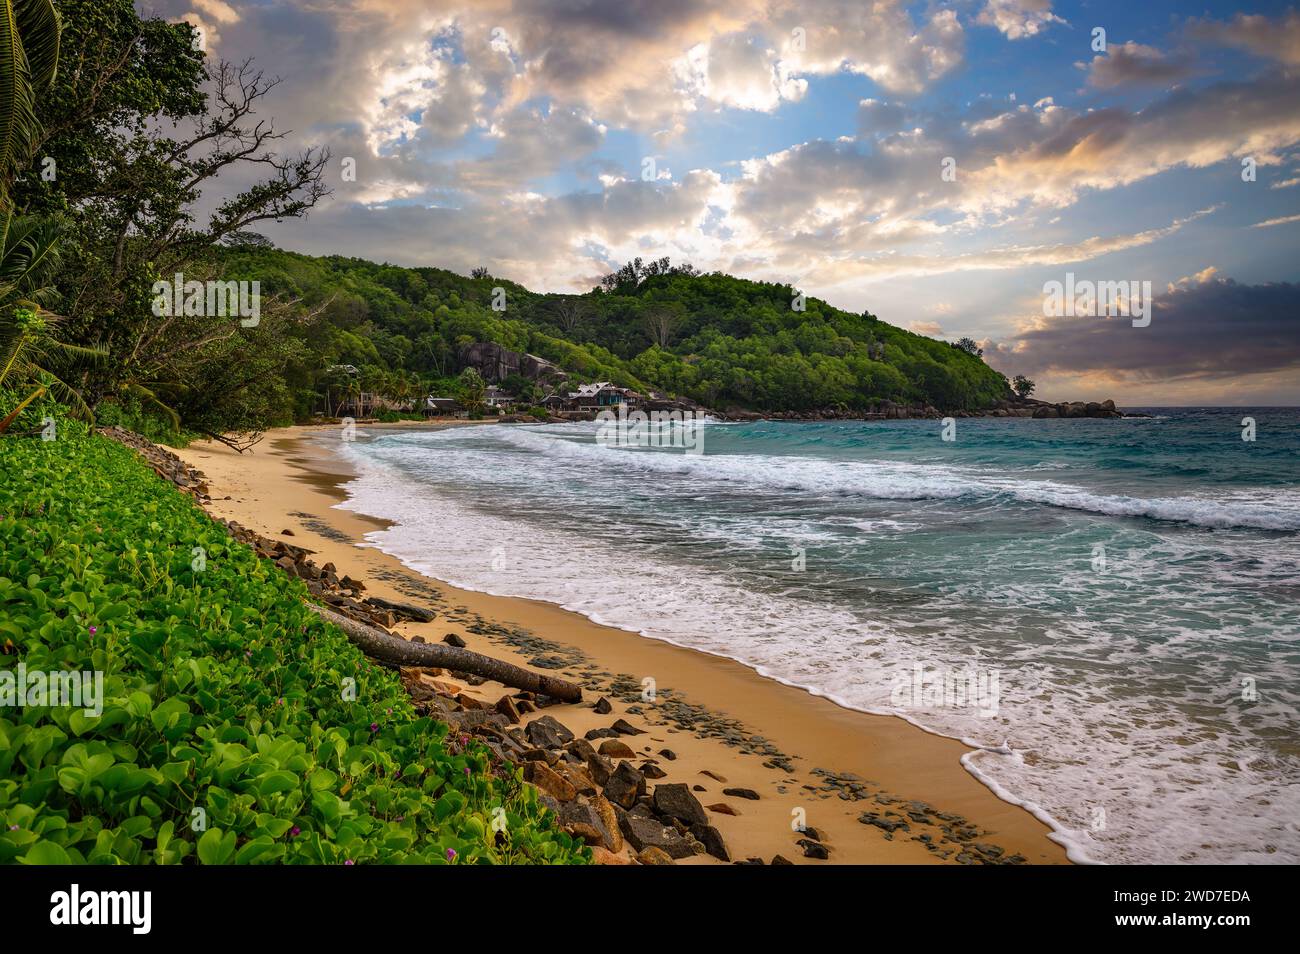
column 145, row 124
column 222, row 692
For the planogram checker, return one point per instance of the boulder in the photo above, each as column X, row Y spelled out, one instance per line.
column 643, row 831
column 547, row 733
column 625, row 785
column 674, row 800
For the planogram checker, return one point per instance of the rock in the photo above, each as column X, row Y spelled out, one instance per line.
column 653, row 856
column 601, row 856
column 287, row 532
column 625, row 785
column 581, row 748
column 599, row 768
column 582, row 820
column 714, row 776
column 779, row 860
column 616, row 749
column 506, row 706
column 592, row 734
column 642, row 832
column 623, row 727
column 451, row 639
column 650, row 770
column 722, row 808
column 675, row 800
column 547, row 733
column 669, row 754
column 603, row 707
column 541, row 775
column 712, row 841
column 579, row 779
column 813, row 849
column 741, row 793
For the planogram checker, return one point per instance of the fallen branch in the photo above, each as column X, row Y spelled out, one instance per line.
column 401, row 652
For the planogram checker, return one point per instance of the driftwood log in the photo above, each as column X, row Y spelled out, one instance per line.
column 397, row 651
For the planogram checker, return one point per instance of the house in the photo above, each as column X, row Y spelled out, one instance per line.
column 494, row 397
column 440, row 406
column 592, row 397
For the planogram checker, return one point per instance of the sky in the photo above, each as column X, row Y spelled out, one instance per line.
column 936, row 164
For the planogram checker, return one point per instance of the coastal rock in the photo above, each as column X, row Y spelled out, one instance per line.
column 669, row 754
column 582, row 820
column 602, row 706
column 674, row 800
column 712, row 841
column 599, row 768
column 781, row 860
column 451, row 639
column 541, row 775
column 592, row 735
column 813, row 849
column 623, row 727
column 650, row 770
column 722, row 808
column 616, row 749
column 625, row 785
column 642, row 832
column 653, row 856
column 748, row 793
column 506, row 706
column 545, row 732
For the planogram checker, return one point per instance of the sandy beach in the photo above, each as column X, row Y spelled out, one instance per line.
column 807, row 759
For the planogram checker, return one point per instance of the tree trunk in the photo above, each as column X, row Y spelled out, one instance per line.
column 401, row 652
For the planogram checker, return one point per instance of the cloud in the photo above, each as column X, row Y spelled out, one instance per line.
column 1133, row 64
column 1283, row 220
column 1274, row 39
column 1018, row 19
column 931, row 328
column 1202, row 331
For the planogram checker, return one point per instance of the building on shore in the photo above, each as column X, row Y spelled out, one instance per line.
column 591, row 398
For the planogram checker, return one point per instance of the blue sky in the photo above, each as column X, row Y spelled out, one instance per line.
column 803, row 142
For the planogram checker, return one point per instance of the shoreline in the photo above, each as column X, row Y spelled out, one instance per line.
column 796, row 750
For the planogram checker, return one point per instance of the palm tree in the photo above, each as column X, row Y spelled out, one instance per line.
column 29, row 59
column 29, row 351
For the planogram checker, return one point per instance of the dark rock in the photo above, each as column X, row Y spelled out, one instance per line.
column 813, row 849
column 616, row 749
column 779, row 860
column 624, row 786
column 650, row 770
column 674, row 800
column 642, row 832
column 741, row 793
column 623, row 727
column 593, row 734
column 602, row 706
column 712, row 841
column 451, row 639
column 545, row 732
column 669, row 754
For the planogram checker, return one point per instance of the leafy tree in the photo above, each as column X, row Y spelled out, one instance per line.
column 1022, row 386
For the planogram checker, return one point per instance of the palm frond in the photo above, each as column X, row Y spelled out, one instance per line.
column 40, row 28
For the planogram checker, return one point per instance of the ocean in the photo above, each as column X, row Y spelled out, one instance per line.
column 1107, row 610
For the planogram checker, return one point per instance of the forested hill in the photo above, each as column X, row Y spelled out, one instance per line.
column 725, row 342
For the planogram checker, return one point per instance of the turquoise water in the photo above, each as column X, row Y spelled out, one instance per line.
column 1107, row 609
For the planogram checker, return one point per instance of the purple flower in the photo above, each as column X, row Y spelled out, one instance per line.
column 295, row 831
column 451, row 854
column 13, row 827
column 94, row 630
column 349, row 862
column 374, row 727
column 467, row 770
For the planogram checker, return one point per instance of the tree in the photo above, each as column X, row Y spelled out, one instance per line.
column 970, row 346
column 480, row 272
column 29, row 58
column 660, row 323
column 570, row 313
column 1022, row 386
column 141, row 131
column 472, row 390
